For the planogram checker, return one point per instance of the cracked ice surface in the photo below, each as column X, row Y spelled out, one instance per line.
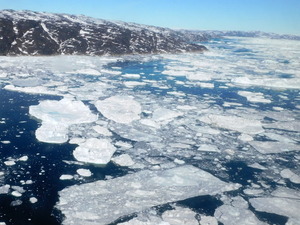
column 57, row 116
column 111, row 199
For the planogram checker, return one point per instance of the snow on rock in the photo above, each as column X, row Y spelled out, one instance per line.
column 121, row 109
column 107, row 200
column 236, row 212
column 288, row 174
column 57, row 116
column 282, row 206
column 93, row 150
column 243, row 125
column 123, row 160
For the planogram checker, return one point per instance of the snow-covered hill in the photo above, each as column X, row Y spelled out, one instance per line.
column 37, row 33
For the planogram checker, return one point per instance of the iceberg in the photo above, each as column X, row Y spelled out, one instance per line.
column 57, row 116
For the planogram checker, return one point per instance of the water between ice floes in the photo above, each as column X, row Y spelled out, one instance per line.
column 191, row 137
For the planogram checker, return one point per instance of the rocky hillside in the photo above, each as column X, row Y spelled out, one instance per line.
column 35, row 33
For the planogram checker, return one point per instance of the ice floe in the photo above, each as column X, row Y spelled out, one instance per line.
column 240, row 124
column 111, row 199
column 121, row 109
column 288, row 174
column 93, row 150
column 84, row 172
column 282, row 206
column 57, row 116
column 236, row 212
column 254, row 96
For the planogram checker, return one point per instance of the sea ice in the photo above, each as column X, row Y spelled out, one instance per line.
column 105, row 201
column 121, row 109
column 180, row 216
column 254, row 96
column 66, row 177
column 123, row 160
column 93, row 150
column 269, row 147
column 236, row 212
column 102, row 130
column 57, row 116
column 282, row 206
column 240, row 124
column 84, row 172
column 288, row 174
column 164, row 116
column 33, row 200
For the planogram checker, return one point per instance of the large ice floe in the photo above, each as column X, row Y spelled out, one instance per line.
column 57, row 116
column 112, row 199
column 121, row 109
column 151, row 132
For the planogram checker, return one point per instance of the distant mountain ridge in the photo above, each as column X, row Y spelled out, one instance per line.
column 199, row 35
column 37, row 33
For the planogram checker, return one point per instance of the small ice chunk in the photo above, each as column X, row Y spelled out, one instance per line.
column 23, row 158
column 123, row 160
column 66, row 177
column 251, row 191
column 10, row 163
column 131, row 84
column 33, row 200
column 206, row 85
column 88, row 71
column 4, row 189
column 257, row 166
column 288, row 174
column 208, row 148
column 132, row 76
column 98, row 151
column 102, row 130
column 254, row 96
column 5, row 142
column 16, row 194
column 84, row 172
column 121, row 109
